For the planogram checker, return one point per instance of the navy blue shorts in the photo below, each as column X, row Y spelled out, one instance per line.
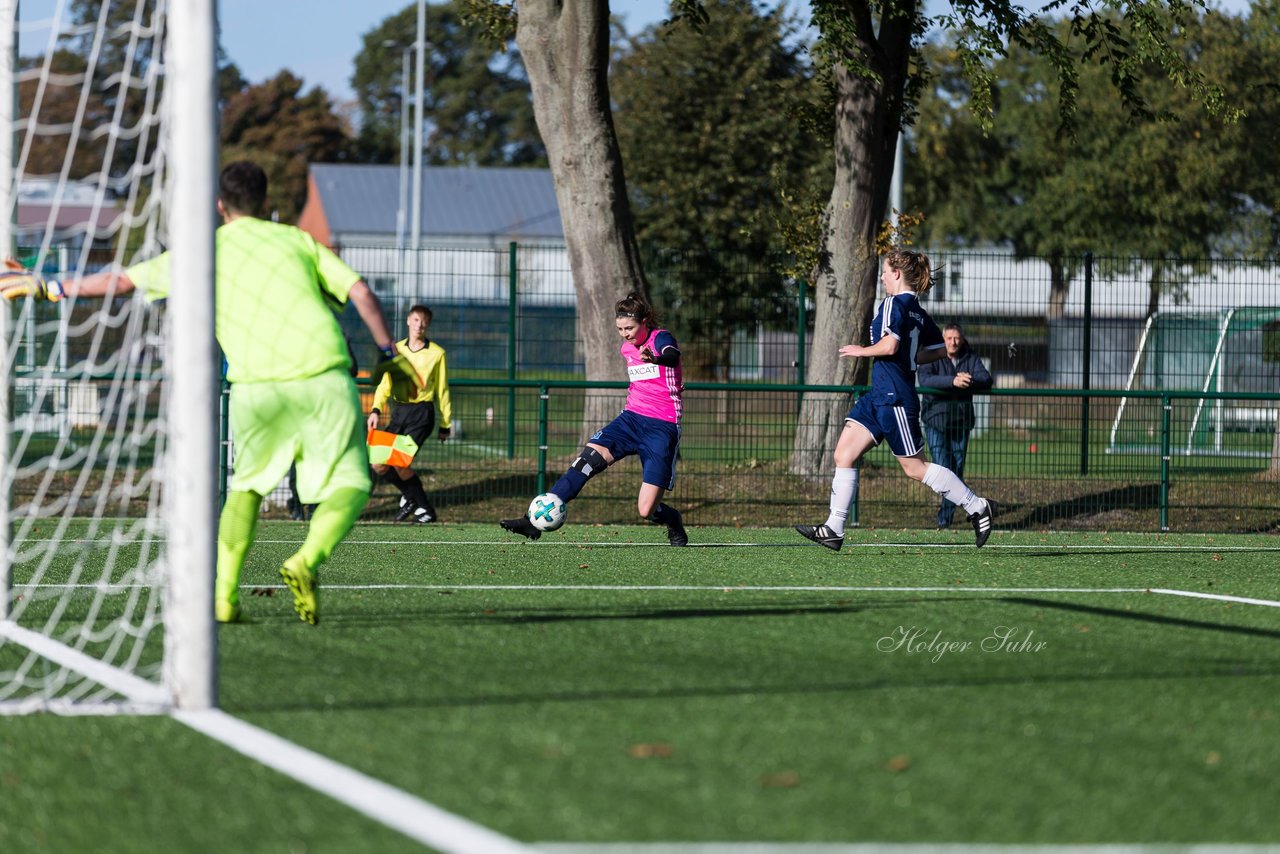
column 655, row 441
column 896, row 423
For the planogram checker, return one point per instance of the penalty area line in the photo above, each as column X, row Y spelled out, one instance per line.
column 721, row 588
column 892, row 848
column 1243, row 600
column 419, row 820
column 718, row 588
column 544, row 543
column 549, row 543
column 661, row 588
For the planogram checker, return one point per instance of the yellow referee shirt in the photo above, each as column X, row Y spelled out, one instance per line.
column 430, row 384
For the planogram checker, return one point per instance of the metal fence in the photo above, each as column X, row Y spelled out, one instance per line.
column 1096, row 323
column 1045, row 456
column 1107, row 413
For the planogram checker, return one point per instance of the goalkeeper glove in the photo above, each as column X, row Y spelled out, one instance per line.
column 392, row 363
column 17, row 282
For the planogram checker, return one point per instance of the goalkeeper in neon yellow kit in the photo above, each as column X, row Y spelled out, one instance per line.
column 292, row 398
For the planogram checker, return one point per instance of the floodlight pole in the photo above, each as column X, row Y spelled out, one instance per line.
column 402, row 209
column 401, row 214
column 417, row 125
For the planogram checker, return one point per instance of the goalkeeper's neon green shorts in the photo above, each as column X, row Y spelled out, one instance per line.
column 315, row 422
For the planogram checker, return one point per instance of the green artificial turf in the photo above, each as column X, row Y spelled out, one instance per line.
column 599, row 686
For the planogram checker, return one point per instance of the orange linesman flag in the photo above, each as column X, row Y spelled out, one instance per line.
column 390, row 449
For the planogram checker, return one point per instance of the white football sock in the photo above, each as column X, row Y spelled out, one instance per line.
column 844, row 485
column 944, row 482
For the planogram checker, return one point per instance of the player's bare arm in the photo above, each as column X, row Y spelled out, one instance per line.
column 886, row 346
column 18, row 283
column 931, row 354
column 370, row 311
column 108, row 283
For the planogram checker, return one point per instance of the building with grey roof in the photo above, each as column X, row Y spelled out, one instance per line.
column 71, row 213
column 351, row 204
column 488, row 235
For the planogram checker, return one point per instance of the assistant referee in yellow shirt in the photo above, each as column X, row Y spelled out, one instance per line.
column 415, row 399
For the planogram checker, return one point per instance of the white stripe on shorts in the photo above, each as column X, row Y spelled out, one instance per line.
column 904, row 431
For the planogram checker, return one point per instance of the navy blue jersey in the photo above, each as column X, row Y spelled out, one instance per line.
column 893, row 378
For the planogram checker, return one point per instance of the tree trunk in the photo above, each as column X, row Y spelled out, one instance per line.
column 1273, row 468
column 565, row 47
column 1059, row 287
column 868, row 110
column 1154, row 286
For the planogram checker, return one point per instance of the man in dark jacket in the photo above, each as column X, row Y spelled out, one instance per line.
column 948, row 416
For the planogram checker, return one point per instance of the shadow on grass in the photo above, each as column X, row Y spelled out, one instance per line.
column 757, row 689
column 781, row 684
column 561, row 615
column 1141, row 496
column 525, row 616
column 471, row 492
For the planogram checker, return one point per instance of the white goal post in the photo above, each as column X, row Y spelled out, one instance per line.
column 108, row 533
column 1212, row 351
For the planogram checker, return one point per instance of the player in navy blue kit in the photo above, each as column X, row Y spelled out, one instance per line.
column 902, row 337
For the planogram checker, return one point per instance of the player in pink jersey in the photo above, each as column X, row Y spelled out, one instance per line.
column 648, row 426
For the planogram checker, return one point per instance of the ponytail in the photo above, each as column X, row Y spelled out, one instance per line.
column 636, row 307
column 914, row 267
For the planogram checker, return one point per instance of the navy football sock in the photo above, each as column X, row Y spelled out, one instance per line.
column 589, row 463
column 664, row 515
column 569, row 485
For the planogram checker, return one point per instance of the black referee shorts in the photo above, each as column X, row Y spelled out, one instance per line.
column 415, row 420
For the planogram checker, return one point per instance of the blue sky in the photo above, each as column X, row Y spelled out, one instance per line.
column 318, row 39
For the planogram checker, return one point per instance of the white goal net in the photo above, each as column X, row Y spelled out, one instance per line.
column 109, row 483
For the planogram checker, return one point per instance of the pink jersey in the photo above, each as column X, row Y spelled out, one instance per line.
column 655, row 389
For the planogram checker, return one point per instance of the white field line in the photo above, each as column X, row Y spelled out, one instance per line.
column 137, row 689
column 512, row 541
column 730, row 588
column 544, row 543
column 414, row 817
column 430, row 825
column 889, row 848
column 641, row 588
column 727, row 588
column 1243, row 600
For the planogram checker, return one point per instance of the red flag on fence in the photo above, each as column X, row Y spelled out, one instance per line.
column 390, row 449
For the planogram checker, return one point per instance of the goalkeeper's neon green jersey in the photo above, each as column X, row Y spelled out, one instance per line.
column 277, row 291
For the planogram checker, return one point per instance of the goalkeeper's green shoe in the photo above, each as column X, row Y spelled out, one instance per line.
column 302, row 582
column 225, row 611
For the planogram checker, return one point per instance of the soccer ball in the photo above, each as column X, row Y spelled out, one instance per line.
column 547, row 512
